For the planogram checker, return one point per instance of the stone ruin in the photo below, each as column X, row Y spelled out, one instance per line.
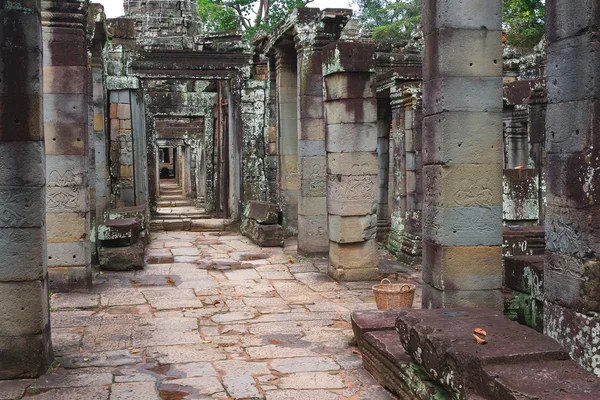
column 474, row 161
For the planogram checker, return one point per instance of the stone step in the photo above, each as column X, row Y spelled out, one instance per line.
column 174, row 203
column 516, row 363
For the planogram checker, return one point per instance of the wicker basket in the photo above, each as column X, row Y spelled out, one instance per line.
column 394, row 295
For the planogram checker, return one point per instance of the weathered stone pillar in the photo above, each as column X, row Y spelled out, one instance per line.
column 25, row 348
column 384, row 119
column 572, row 269
column 462, row 153
column 351, row 121
column 312, row 204
column 287, row 88
column 65, row 125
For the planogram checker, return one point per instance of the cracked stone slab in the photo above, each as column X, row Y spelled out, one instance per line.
column 105, row 359
column 311, row 380
column 185, row 353
column 235, row 367
column 172, row 298
column 134, row 391
column 304, row 364
column 241, row 387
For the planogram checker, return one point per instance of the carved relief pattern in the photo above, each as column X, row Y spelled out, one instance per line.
column 564, row 234
column 473, row 193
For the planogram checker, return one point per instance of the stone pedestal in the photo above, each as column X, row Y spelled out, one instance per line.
column 312, row 203
column 66, row 140
column 287, row 88
column 25, row 347
column 572, row 268
column 462, row 173
column 351, row 123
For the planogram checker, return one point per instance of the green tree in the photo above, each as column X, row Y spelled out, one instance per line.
column 523, row 21
column 247, row 15
column 390, row 20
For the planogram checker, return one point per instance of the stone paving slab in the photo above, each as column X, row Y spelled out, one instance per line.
column 210, row 316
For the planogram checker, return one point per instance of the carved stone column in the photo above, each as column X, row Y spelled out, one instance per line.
column 352, row 168
column 66, row 140
column 287, row 87
column 572, row 269
column 462, row 153
column 312, row 203
column 25, row 347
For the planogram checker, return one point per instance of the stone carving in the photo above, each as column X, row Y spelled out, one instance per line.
column 66, row 179
column 564, row 233
column 11, row 210
column 470, row 194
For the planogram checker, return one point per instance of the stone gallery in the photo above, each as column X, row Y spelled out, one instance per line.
column 189, row 215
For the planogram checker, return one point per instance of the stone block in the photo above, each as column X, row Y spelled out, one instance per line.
column 263, row 235
column 462, row 94
column 27, row 356
column 125, row 124
column 463, row 226
column 373, row 321
column 128, row 258
column 465, row 14
column 30, row 159
column 311, row 148
column 20, row 125
column 67, row 227
column 573, row 81
column 310, row 129
column 24, row 308
column 456, row 138
column 565, row 185
column 23, row 207
column 454, row 52
column 124, row 111
column 349, row 86
column 525, row 274
column 67, row 199
column 312, row 206
column 65, row 108
column 463, row 185
column 310, row 107
column 571, row 231
column 262, row 212
column 352, row 195
column 65, row 79
column 462, row 268
column 344, row 57
column 128, row 212
column 361, row 255
column 70, row 279
column 352, row 229
column 312, row 235
column 570, row 126
column 359, row 163
column 351, row 111
column 99, row 122
column 119, row 232
column 435, row 298
column 350, row 138
column 68, row 254
column 564, row 280
column 65, row 171
column 563, row 20
column 22, row 254
column 114, row 129
column 353, row 275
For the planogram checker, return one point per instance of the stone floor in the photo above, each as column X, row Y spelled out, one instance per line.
column 211, row 316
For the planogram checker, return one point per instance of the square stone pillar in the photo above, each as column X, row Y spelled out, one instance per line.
column 351, row 123
column 287, row 102
column 25, row 347
column 312, row 203
column 462, row 153
column 572, row 268
column 66, row 139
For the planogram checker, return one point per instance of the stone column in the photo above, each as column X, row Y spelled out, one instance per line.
column 65, row 125
column 462, row 153
column 312, row 204
column 411, row 247
column 384, row 118
column 572, row 269
column 25, row 348
column 351, row 123
column 398, row 166
column 287, row 88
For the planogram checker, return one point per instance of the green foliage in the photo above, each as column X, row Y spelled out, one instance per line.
column 523, row 21
column 250, row 16
column 390, row 20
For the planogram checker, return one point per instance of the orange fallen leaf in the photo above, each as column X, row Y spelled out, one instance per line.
column 479, row 331
column 479, row 340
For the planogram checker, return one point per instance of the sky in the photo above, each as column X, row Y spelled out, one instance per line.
column 114, row 8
